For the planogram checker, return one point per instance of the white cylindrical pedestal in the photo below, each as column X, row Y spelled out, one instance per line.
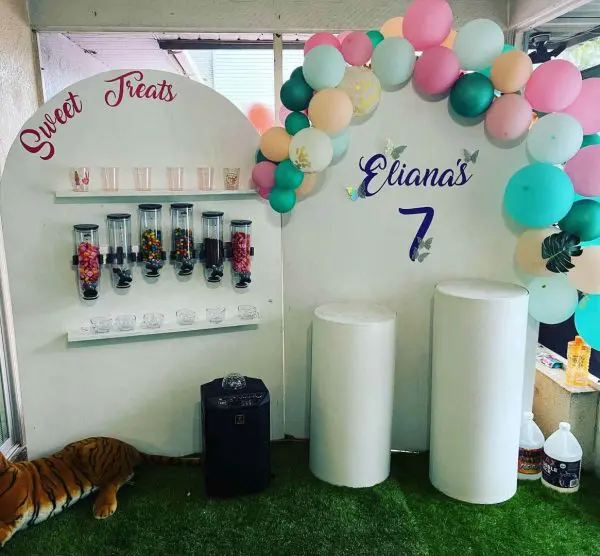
column 479, row 334
column 352, row 392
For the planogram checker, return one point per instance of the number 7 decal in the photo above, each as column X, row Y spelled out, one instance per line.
column 421, row 234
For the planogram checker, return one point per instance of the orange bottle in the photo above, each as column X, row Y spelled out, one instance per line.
column 578, row 362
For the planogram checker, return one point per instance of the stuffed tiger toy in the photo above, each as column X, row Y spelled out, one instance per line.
column 33, row 491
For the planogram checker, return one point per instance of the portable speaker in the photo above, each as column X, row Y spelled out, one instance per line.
column 237, row 434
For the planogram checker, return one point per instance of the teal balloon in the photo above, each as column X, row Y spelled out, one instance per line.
column 552, row 299
column 297, row 73
column 323, row 68
column 472, row 95
column 296, row 121
column 340, row 143
column 375, row 37
column 506, row 48
column 282, row 200
column 287, row 176
column 583, row 220
column 587, row 317
column 295, row 94
column 538, row 195
column 260, row 157
column 588, row 140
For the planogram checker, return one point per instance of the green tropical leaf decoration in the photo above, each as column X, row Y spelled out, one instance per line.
column 558, row 249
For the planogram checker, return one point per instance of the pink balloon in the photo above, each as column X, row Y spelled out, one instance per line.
column 427, row 23
column 342, row 36
column 357, row 48
column 508, row 118
column 436, row 70
column 264, row 193
column 584, row 169
column 553, row 86
column 585, row 108
column 321, row 38
column 263, row 175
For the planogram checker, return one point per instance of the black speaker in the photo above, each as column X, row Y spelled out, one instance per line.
column 237, row 434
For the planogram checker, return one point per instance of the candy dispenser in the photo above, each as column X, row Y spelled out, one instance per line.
column 212, row 246
column 241, row 252
column 151, row 247
column 120, row 254
column 182, row 237
column 87, row 259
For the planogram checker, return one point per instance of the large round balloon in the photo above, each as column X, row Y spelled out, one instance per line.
column 587, row 317
column 585, row 107
column 282, row 200
column 287, row 175
column 538, row 195
column 584, row 169
column 311, row 150
column 393, row 61
column 393, row 27
column 321, row 38
column 341, row 142
column 508, row 118
column 296, row 121
column 324, row 67
column 263, row 175
column 477, row 43
column 295, row 94
column 330, row 110
column 488, row 71
column 471, row 95
column 510, row 71
column 436, row 71
column 586, row 274
column 528, row 251
column 357, row 48
column 427, row 23
column 555, row 138
column 261, row 117
column 553, row 86
column 552, row 299
column 275, row 144
column 583, row 220
column 363, row 88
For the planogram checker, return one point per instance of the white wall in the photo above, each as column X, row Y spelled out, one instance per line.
column 524, row 14
column 238, row 15
column 63, row 63
column 146, row 392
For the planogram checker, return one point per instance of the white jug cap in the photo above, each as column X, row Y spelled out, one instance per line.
column 564, row 426
column 528, row 416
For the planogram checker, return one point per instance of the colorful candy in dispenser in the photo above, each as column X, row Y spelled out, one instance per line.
column 151, row 247
column 213, row 248
column 87, row 259
column 120, row 254
column 182, row 238
column 241, row 252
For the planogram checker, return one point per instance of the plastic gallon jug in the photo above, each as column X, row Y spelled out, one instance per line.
column 531, row 449
column 561, row 468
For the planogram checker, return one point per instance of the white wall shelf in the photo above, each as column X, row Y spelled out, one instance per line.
column 99, row 196
column 85, row 334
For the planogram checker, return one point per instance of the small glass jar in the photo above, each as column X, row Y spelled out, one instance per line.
column 182, row 237
column 241, row 252
column 88, row 259
column 80, row 179
column 120, row 254
column 213, row 248
column 151, row 252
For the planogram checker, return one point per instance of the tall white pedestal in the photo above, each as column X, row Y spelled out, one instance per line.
column 352, row 392
column 479, row 335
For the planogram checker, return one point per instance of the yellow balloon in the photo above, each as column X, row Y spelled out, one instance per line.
column 586, row 274
column 307, row 186
column 330, row 110
column 510, row 71
column 275, row 144
column 392, row 27
column 363, row 88
column 528, row 251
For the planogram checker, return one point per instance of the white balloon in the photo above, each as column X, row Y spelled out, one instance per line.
column 552, row 299
column 477, row 43
column 393, row 61
column 311, row 150
column 363, row 88
column 555, row 138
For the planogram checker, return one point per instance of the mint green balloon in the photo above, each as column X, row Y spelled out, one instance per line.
column 287, row 176
column 552, row 299
column 295, row 121
column 393, row 61
column 324, row 67
column 282, row 200
column 340, row 143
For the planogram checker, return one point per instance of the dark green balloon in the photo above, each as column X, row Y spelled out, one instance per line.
column 295, row 94
column 590, row 140
column 295, row 122
column 287, row 176
column 260, row 157
column 282, row 200
column 583, row 220
column 472, row 95
column 375, row 36
column 297, row 73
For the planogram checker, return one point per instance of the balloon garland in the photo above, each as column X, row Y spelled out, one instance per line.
column 554, row 198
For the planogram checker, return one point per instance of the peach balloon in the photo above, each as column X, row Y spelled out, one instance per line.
column 449, row 40
column 330, row 110
column 307, row 185
column 392, row 27
column 528, row 251
column 510, row 71
column 275, row 144
column 508, row 118
column 586, row 274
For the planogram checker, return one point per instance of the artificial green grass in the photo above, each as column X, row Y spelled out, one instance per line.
column 166, row 513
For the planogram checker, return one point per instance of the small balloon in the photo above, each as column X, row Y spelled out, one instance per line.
column 393, row 61
column 260, row 157
column 477, row 44
column 506, row 48
column 282, row 200
column 357, row 48
column 584, row 169
column 295, row 94
column 342, row 37
column 296, row 121
column 593, row 139
column 538, row 195
column 363, row 88
column 287, row 176
column 508, row 118
column 528, row 251
column 321, row 38
column 323, row 67
column 375, row 36
column 330, row 110
column 340, row 144
column 263, row 175
column 555, row 138
column 275, row 144
column 587, row 317
column 552, row 299
column 583, row 220
column 427, row 23
column 436, row 71
column 307, row 187
column 510, row 71
column 392, row 27
column 264, row 193
column 297, row 72
column 586, row 274
column 553, row 86
column 471, row 95
column 311, row 150
column 449, row 40
column 585, row 107
column 261, row 117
